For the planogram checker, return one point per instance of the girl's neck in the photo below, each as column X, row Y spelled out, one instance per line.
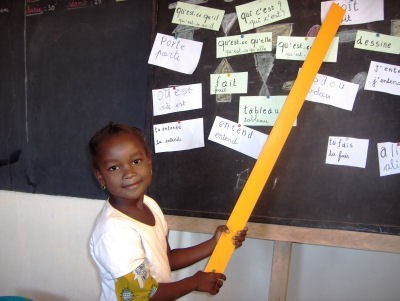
column 136, row 210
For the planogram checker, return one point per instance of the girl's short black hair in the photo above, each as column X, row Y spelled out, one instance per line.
column 110, row 130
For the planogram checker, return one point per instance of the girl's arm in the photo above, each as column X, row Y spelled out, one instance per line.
column 201, row 281
column 183, row 257
column 132, row 287
column 145, row 286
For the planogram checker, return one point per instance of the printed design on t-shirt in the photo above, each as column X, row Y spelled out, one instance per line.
column 141, row 274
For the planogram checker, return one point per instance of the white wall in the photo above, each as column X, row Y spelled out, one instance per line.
column 44, row 255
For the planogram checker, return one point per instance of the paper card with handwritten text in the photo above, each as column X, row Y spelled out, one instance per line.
column 260, row 110
column 243, row 44
column 177, row 54
column 261, row 12
column 228, row 83
column 332, row 91
column 198, row 16
column 383, row 77
column 177, row 99
column 357, row 11
column 347, row 151
column 373, row 41
column 179, row 135
column 389, row 158
column 297, row 48
column 237, row 137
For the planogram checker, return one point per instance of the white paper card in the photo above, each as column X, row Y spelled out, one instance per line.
column 261, row 12
column 240, row 138
column 297, row 48
column 228, row 83
column 384, row 78
column 197, row 16
column 260, row 110
column 179, row 135
column 177, row 99
column 389, row 158
column 357, row 11
column 177, row 54
column 243, row 44
column 347, row 151
column 332, row 91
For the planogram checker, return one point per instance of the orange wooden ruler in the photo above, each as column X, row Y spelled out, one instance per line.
column 269, row 154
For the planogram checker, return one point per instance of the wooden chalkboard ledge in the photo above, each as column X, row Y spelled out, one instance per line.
column 314, row 236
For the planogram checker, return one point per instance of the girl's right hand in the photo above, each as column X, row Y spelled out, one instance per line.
column 209, row 282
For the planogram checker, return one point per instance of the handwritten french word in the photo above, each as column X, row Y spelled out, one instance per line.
column 357, row 11
column 237, row 137
column 258, row 13
column 243, row 44
column 177, row 136
column 176, row 99
column 377, row 42
column 197, row 16
column 297, row 48
column 260, row 110
column 389, row 158
column 228, row 83
column 181, row 55
column 347, row 151
column 384, row 78
column 332, row 91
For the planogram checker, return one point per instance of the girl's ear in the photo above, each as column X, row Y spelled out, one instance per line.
column 99, row 178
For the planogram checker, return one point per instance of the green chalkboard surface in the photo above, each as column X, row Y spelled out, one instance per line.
column 302, row 190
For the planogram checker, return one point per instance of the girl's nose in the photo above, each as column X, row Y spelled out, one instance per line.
column 129, row 171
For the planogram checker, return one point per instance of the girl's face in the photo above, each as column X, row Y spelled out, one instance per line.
column 124, row 168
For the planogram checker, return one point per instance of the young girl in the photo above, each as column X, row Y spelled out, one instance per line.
column 129, row 241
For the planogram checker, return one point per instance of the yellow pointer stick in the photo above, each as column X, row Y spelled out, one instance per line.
column 274, row 144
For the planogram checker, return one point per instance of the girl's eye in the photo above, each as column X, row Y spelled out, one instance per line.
column 136, row 162
column 113, row 168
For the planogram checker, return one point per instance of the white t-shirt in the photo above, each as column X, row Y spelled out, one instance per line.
column 119, row 244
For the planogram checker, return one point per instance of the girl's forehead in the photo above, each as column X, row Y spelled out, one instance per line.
column 119, row 142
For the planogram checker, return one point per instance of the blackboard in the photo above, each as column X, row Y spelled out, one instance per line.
column 12, row 104
column 302, row 190
column 67, row 69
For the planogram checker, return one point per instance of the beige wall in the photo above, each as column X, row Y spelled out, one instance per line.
column 44, row 255
column 44, row 247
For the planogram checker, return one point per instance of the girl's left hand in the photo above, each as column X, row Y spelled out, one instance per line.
column 238, row 239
